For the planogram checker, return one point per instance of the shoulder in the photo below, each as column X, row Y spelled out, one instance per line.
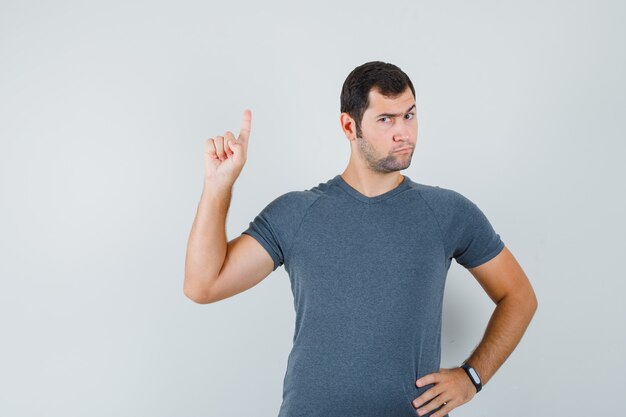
column 294, row 200
column 441, row 200
column 451, row 208
column 294, row 204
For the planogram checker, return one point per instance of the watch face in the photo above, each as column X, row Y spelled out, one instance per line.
column 474, row 375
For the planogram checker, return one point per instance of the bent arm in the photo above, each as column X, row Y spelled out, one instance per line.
column 506, row 283
column 207, row 245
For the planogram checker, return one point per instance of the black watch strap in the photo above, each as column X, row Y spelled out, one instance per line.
column 473, row 376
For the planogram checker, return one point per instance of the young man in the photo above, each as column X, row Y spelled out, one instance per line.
column 367, row 253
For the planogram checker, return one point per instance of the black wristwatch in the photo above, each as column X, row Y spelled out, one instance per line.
column 473, row 376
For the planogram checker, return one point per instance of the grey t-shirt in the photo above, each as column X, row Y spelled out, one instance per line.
column 368, row 276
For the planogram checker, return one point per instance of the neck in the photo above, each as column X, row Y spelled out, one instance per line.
column 370, row 183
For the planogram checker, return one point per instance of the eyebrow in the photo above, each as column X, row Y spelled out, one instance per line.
column 395, row 115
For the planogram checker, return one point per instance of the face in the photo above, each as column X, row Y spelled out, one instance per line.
column 388, row 124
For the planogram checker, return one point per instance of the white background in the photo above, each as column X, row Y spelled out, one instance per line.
column 104, row 110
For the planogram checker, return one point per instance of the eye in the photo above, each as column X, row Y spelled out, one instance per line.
column 382, row 118
column 410, row 114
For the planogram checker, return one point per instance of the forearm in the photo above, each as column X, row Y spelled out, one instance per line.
column 509, row 321
column 207, row 245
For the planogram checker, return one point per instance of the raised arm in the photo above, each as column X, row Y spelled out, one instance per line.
column 209, row 256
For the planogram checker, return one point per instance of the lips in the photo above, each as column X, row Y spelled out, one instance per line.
column 406, row 148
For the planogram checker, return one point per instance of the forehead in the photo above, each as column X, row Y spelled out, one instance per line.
column 378, row 103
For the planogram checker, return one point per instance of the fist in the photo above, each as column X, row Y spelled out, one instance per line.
column 225, row 156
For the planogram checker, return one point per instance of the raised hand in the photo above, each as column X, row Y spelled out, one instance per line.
column 225, row 156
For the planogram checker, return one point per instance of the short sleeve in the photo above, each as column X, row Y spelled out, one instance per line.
column 473, row 238
column 276, row 226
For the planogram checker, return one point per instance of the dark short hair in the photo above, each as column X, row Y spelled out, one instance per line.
column 387, row 79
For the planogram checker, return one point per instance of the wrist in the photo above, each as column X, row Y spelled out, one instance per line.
column 473, row 376
column 213, row 186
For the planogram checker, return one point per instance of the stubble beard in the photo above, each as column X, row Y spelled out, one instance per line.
column 389, row 163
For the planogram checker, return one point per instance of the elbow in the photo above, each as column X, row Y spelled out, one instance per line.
column 523, row 301
column 531, row 300
column 530, row 303
column 197, row 298
column 195, row 294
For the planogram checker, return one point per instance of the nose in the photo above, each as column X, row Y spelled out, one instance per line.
column 403, row 133
column 405, row 130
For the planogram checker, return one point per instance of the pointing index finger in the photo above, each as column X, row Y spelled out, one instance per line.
column 244, row 134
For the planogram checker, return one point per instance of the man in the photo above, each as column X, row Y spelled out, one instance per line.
column 367, row 253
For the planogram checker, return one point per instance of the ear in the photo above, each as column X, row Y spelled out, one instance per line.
column 348, row 126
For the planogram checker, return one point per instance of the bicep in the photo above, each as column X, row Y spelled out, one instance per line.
column 502, row 276
column 246, row 264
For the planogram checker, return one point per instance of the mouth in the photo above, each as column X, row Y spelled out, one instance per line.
column 404, row 149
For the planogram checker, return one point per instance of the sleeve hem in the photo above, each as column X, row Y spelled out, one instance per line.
column 266, row 246
column 487, row 257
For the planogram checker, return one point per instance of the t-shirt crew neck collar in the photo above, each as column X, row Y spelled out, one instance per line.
column 362, row 197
